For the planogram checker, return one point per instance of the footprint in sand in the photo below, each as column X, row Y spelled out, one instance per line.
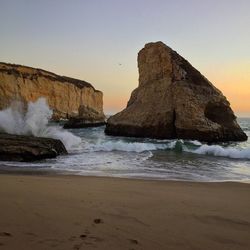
column 5, row 234
column 133, row 241
column 98, row 221
column 82, row 236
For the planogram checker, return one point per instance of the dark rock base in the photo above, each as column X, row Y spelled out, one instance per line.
column 79, row 123
column 224, row 135
column 29, row 148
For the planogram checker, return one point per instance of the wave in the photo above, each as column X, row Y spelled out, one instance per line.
column 178, row 146
column 127, row 146
column 217, row 150
column 34, row 121
column 138, row 147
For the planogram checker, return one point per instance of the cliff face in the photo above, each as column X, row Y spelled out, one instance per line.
column 174, row 100
column 64, row 95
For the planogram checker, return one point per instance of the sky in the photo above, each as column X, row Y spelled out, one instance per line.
column 98, row 41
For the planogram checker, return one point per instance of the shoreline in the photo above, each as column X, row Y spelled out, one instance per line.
column 56, row 172
column 83, row 212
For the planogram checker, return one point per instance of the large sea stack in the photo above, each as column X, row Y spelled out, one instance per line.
column 174, row 100
column 64, row 95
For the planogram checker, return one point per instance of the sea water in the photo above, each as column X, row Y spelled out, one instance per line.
column 91, row 152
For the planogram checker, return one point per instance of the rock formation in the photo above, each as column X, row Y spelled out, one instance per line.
column 87, row 117
column 174, row 100
column 64, row 95
column 29, row 148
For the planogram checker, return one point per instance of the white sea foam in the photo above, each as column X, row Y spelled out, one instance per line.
column 34, row 121
column 196, row 147
column 217, row 150
column 129, row 146
column 196, row 143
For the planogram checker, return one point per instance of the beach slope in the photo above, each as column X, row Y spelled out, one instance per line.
column 72, row 212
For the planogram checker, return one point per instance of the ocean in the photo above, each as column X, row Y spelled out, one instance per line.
column 96, row 154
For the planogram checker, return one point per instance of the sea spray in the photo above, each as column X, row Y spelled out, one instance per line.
column 34, row 121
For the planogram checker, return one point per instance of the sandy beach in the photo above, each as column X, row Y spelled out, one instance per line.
column 73, row 212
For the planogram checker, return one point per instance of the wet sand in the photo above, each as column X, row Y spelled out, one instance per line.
column 72, row 212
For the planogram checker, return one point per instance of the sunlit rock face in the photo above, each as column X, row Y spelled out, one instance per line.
column 64, row 95
column 174, row 100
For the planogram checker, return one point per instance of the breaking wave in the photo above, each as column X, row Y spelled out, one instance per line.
column 127, row 146
column 217, row 150
column 34, row 121
column 178, row 146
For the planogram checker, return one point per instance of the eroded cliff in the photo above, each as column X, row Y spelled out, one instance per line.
column 64, row 94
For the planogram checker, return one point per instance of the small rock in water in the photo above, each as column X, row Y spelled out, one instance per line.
column 87, row 117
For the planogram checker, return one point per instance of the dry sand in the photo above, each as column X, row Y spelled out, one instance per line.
column 70, row 212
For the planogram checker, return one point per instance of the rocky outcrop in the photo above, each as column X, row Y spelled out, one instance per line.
column 174, row 100
column 29, row 148
column 64, row 94
column 76, row 122
column 87, row 117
